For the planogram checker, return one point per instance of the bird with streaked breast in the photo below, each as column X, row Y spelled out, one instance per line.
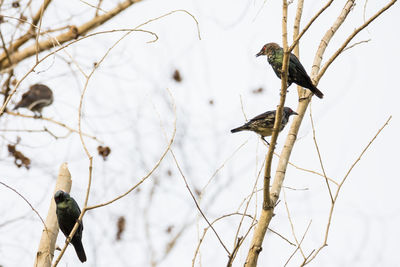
column 263, row 124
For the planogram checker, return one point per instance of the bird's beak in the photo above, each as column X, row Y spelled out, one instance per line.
column 259, row 54
column 295, row 113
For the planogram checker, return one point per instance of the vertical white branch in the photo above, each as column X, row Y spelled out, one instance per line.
column 45, row 253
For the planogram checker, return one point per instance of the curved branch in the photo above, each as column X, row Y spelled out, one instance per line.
column 355, row 32
column 64, row 37
column 27, row 201
column 149, row 173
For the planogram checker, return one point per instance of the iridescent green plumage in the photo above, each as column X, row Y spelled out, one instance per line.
column 296, row 73
column 68, row 213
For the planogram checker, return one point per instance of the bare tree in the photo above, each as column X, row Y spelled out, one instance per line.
column 271, row 197
column 163, row 163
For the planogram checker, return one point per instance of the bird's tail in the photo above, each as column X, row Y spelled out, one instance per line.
column 79, row 250
column 317, row 92
column 238, row 129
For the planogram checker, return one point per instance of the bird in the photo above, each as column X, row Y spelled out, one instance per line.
column 297, row 74
column 264, row 123
column 68, row 212
column 36, row 98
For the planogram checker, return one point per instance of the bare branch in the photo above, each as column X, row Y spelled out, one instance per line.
column 2, row 109
column 266, row 215
column 149, row 173
column 298, row 36
column 281, row 236
column 27, row 202
column 338, row 191
column 292, row 225
column 301, row 241
column 319, row 155
column 70, row 129
column 29, row 34
column 238, row 242
column 268, row 203
column 355, row 32
column 210, row 226
column 195, row 201
column 5, row 48
column 65, row 37
column 355, row 44
column 310, row 171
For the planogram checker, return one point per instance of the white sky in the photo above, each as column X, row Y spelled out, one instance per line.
column 127, row 95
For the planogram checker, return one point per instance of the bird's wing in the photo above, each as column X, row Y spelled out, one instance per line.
column 42, row 92
column 296, row 66
column 28, row 96
column 269, row 115
column 76, row 210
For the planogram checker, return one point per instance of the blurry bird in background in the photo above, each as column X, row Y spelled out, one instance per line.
column 264, row 123
column 297, row 74
column 36, row 98
column 68, row 212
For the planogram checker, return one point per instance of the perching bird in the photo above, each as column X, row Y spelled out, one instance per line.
column 297, row 74
column 264, row 123
column 36, row 98
column 67, row 214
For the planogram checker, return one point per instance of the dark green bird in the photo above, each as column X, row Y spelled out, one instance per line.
column 68, row 213
column 264, row 123
column 297, row 74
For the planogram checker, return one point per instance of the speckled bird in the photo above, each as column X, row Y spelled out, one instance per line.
column 36, row 98
column 297, row 74
column 264, row 123
column 68, row 213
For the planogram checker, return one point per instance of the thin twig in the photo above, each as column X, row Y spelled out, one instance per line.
column 292, row 225
column 338, row 191
column 59, row 40
column 297, row 39
column 357, row 43
column 29, row 33
column 281, row 236
column 238, row 242
column 210, row 226
column 62, row 38
column 5, row 48
column 98, row 8
column 95, row 7
column 348, row 40
column 301, row 241
column 42, row 8
column 195, row 201
column 319, row 154
column 30, row 205
column 307, row 170
column 70, row 129
column 220, row 168
column 171, row 140
column 241, row 105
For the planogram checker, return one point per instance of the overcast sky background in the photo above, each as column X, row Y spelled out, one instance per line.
column 127, row 99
